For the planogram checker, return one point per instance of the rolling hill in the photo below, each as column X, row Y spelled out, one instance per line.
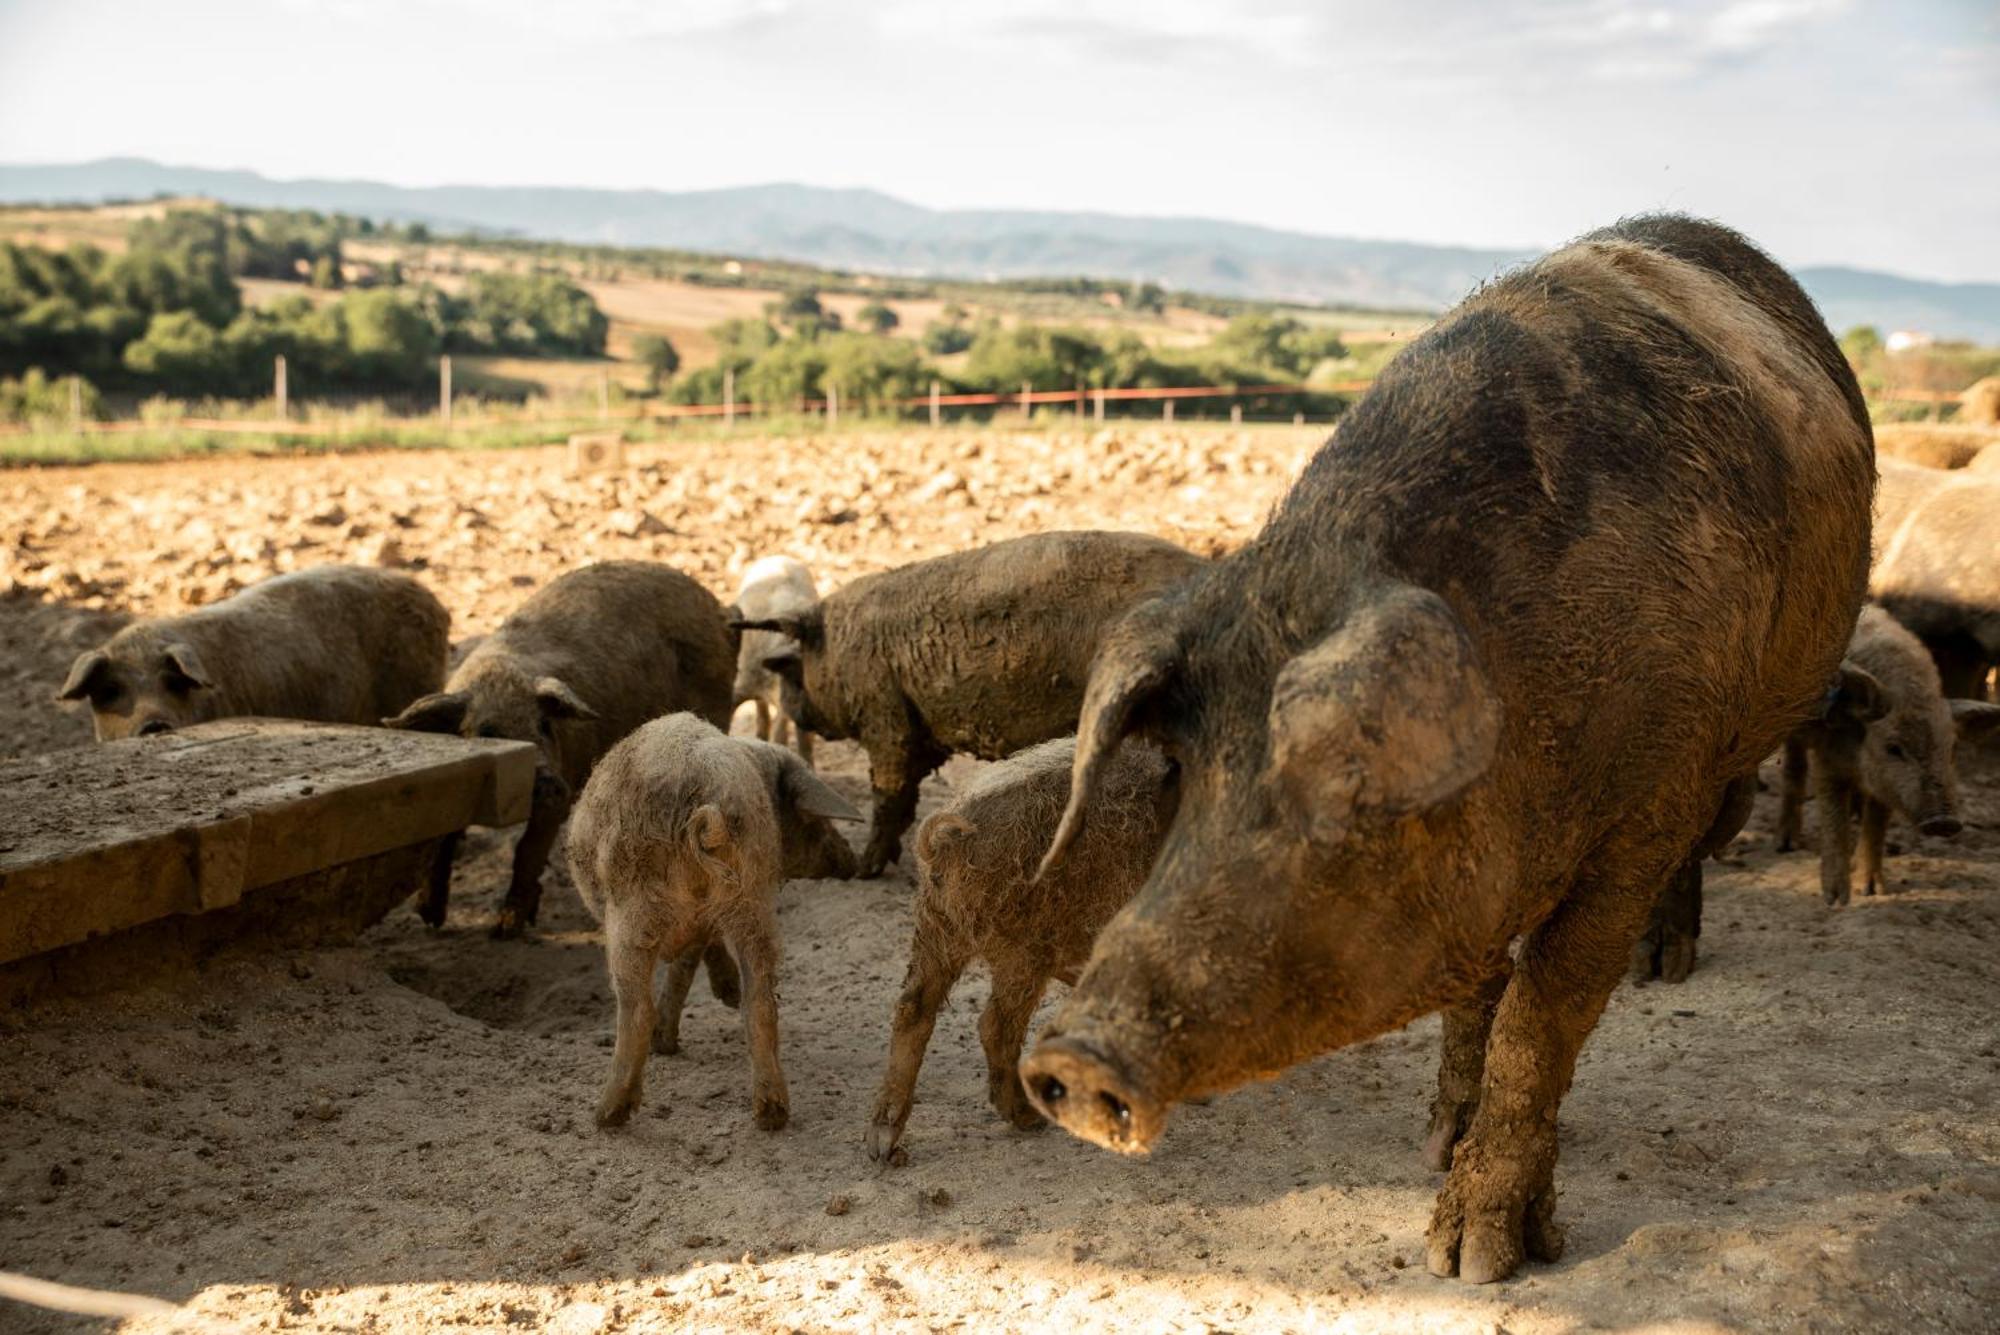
column 874, row 232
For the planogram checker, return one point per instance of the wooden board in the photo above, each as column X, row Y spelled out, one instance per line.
column 103, row 838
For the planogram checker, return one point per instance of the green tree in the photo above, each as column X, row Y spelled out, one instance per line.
column 875, row 318
column 660, row 358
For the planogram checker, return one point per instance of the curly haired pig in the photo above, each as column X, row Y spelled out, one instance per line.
column 774, row 586
column 978, row 898
column 578, row 666
column 983, row 651
column 339, row 644
column 682, row 837
column 1886, row 745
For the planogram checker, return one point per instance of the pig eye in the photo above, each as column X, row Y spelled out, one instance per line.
column 1895, row 751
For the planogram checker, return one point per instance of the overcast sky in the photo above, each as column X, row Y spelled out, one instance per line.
column 1834, row 131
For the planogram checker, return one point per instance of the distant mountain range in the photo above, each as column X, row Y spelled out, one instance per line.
column 872, row 232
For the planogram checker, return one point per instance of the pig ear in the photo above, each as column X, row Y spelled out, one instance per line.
column 439, row 712
column 789, row 665
column 557, row 700
column 809, row 793
column 1858, row 695
column 1976, row 720
column 184, row 663
column 86, row 676
column 1390, row 714
column 1139, row 655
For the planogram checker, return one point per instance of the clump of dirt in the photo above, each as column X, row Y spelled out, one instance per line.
column 396, row 1135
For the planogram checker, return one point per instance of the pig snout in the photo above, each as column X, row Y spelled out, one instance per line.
column 153, row 727
column 1942, row 824
column 1079, row 1087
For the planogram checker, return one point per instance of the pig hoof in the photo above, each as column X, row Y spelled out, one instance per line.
column 665, row 1044
column 1677, row 957
column 615, row 1109
column 432, row 914
column 772, row 1114
column 885, row 1143
column 508, row 927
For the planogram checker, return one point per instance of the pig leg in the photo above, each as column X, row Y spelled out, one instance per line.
column 1461, row 1064
column 548, row 809
column 1017, row 990
column 1666, row 950
column 804, row 745
column 1497, row 1207
column 763, row 729
column 1874, row 830
column 934, row 967
column 630, row 960
column 897, row 769
column 757, row 950
column 724, row 983
column 673, row 1000
column 1792, row 796
column 437, row 892
column 1836, row 836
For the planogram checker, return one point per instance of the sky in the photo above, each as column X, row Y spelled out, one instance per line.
column 1863, row 132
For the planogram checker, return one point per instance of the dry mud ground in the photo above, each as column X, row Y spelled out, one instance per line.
column 396, row 1135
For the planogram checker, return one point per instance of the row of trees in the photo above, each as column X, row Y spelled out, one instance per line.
column 169, row 314
column 800, row 350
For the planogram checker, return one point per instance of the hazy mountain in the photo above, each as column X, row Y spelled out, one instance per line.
column 868, row 230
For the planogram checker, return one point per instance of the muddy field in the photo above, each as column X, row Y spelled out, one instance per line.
column 396, row 1135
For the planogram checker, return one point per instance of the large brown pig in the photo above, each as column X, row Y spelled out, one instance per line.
column 1586, row 553
column 1937, row 567
column 1886, row 745
column 984, row 652
column 339, row 644
column 578, row 666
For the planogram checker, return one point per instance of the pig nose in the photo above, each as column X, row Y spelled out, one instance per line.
column 1078, row 1089
column 153, row 727
column 1944, row 827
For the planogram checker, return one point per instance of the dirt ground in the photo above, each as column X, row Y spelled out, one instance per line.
column 396, row 1135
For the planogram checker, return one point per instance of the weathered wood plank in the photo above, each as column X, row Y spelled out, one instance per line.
column 104, row 838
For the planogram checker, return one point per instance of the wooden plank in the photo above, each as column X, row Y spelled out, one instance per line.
column 104, row 838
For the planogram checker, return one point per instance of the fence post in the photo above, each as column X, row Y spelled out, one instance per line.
column 1167, row 414
column 1298, row 419
column 729, row 397
column 1027, row 409
column 1098, row 408
column 1080, row 391
column 278, row 390
column 937, row 409
column 832, row 405
column 444, row 390
column 1236, row 414
column 76, row 401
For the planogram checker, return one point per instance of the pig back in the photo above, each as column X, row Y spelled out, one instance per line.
column 991, row 648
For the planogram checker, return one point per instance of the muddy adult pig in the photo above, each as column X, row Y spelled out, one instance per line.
column 1885, row 747
column 682, row 838
column 1937, row 567
column 978, row 899
column 578, row 666
column 340, row 644
column 773, row 586
column 1586, row 553
column 984, row 652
